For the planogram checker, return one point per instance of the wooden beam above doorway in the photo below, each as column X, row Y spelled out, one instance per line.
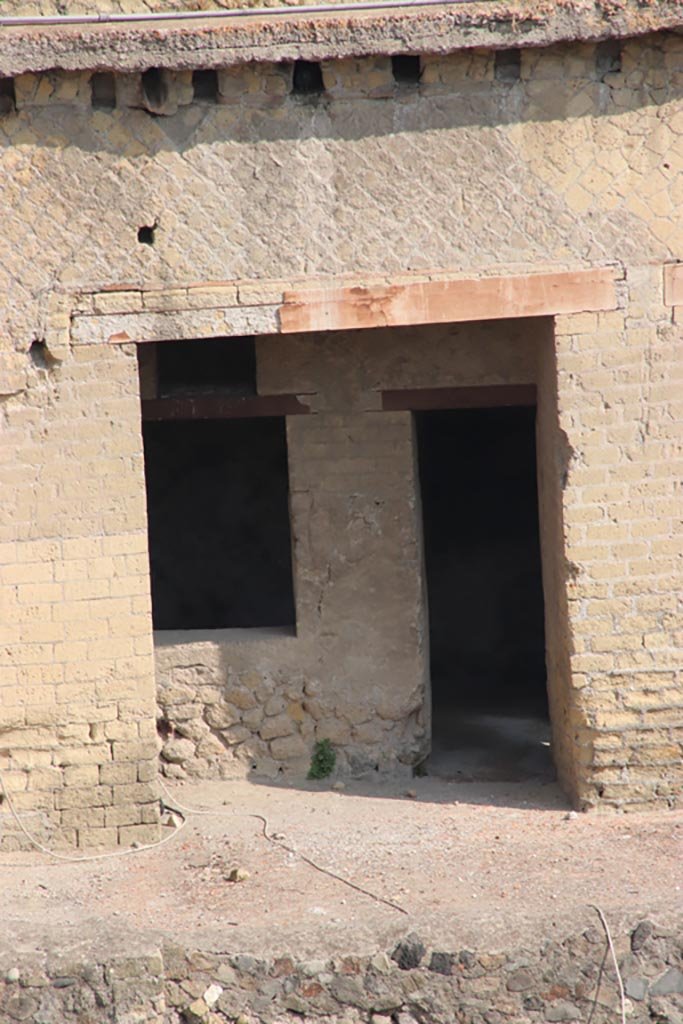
column 454, row 300
column 487, row 397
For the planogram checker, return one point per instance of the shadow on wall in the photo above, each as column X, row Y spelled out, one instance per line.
column 242, row 117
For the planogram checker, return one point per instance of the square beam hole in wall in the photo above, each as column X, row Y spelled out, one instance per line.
column 218, row 522
column 507, row 65
column 307, row 78
column 221, row 366
column 205, row 85
column 406, row 69
column 8, row 99
column 608, row 57
column 103, row 91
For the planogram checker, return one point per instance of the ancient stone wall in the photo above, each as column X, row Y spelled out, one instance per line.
column 568, row 977
column 569, row 157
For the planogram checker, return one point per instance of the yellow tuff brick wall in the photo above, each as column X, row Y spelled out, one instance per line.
column 77, row 732
column 620, row 388
column 567, row 165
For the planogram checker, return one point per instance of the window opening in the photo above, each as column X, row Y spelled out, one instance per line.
column 483, row 567
column 218, row 522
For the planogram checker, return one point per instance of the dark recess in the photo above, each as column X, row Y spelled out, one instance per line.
column 205, row 85
column 154, row 88
column 608, row 57
column 218, row 515
column 406, row 69
column 482, row 553
column 507, row 65
column 146, row 234
column 307, row 78
column 8, row 99
column 103, row 91
column 207, row 366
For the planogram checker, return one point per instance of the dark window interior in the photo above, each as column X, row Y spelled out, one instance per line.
column 482, row 552
column 207, row 366
column 218, row 514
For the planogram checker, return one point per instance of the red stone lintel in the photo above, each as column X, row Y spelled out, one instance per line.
column 448, row 301
column 486, row 397
column 222, row 407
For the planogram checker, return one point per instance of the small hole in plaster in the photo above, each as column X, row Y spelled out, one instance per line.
column 146, row 234
column 39, row 355
column 164, row 728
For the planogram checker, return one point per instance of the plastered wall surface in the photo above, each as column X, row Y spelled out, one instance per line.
column 568, row 165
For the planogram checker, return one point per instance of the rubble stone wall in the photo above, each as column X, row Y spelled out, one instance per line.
column 568, row 977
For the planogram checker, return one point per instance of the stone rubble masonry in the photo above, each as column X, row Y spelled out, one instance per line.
column 568, row 168
column 563, row 978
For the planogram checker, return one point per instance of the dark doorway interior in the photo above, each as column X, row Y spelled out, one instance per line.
column 482, row 553
column 218, row 515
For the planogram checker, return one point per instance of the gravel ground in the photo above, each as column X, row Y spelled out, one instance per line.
column 484, row 866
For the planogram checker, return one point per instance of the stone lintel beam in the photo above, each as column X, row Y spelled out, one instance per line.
column 446, row 301
column 288, row 35
column 121, row 316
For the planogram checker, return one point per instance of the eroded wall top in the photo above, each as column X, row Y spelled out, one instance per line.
column 105, row 39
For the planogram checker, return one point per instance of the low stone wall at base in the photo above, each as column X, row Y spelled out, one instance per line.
column 563, row 980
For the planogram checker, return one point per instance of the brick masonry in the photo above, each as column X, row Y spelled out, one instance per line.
column 568, row 166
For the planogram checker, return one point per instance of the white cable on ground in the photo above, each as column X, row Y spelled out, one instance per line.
column 88, row 857
column 620, row 982
column 290, row 849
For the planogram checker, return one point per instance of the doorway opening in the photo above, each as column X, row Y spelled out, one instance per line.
column 483, row 567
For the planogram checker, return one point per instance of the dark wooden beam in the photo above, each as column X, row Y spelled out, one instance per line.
column 419, row 399
column 222, row 407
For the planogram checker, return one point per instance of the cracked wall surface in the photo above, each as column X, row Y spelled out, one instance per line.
column 568, row 165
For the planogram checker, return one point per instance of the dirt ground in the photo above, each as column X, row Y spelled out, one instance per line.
column 474, row 865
